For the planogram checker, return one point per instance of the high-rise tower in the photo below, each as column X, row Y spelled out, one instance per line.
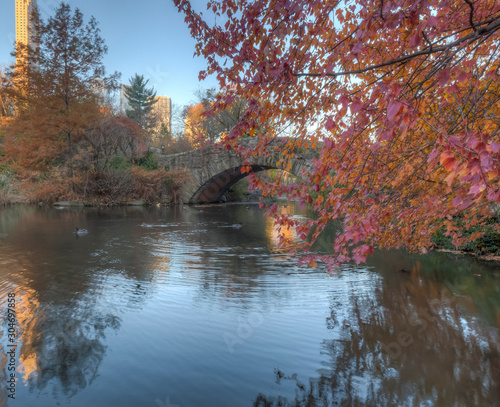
column 25, row 28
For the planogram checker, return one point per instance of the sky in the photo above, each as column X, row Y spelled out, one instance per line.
column 147, row 37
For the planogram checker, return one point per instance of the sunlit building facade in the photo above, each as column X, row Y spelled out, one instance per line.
column 162, row 111
column 25, row 27
column 101, row 90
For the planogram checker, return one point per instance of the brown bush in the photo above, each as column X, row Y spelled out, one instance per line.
column 44, row 187
column 110, row 187
column 105, row 187
column 148, row 185
column 174, row 182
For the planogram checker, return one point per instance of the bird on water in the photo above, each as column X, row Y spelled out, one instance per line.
column 80, row 232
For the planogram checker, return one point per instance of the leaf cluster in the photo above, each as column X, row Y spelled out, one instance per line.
column 401, row 96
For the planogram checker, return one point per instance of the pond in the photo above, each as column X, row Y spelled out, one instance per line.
column 159, row 307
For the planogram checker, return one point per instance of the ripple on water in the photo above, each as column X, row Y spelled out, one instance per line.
column 208, row 310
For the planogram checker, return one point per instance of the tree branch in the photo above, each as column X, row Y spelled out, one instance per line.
column 471, row 5
column 488, row 30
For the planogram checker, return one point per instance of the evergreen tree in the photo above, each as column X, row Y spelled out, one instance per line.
column 140, row 100
column 164, row 135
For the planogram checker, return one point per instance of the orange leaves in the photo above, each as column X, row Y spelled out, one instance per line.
column 449, row 179
column 406, row 111
column 448, row 160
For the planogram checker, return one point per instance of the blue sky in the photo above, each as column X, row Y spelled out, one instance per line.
column 148, row 37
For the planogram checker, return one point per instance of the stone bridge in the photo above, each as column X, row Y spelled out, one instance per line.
column 215, row 170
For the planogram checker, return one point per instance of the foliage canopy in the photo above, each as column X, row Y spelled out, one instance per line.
column 400, row 97
column 54, row 87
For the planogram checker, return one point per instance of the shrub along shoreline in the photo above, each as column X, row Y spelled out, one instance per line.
column 486, row 247
column 94, row 188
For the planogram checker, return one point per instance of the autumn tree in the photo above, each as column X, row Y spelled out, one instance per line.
column 140, row 100
column 194, row 131
column 54, row 89
column 112, row 137
column 6, row 105
column 400, row 97
column 222, row 121
column 204, row 124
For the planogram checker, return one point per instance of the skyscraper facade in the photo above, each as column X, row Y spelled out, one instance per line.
column 162, row 110
column 25, row 28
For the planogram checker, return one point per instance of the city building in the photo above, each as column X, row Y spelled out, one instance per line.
column 25, row 27
column 162, row 111
column 123, row 99
column 100, row 89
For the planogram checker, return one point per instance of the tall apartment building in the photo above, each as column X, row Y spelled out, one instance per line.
column 123, row 99
column 162, row 110
column 100, row 89
column 25, row 28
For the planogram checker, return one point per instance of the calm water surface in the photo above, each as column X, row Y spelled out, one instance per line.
column 199, row 307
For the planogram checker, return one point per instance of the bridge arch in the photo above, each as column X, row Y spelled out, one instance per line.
column 216, row 187
column 213, row 171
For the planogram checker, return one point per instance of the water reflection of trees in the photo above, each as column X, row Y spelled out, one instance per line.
column 62, row 343
column 70, row 291
column 67, row 345
column 408, row 342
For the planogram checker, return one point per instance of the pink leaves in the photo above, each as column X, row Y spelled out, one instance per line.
column 457, row 201
column 432, row 21
column 495, row 147
column 330, row 124
column 355, row 106
column 393, row 108
column 360, row 253
column 392, row 118
column 476, row 189
column 433, row 155
column 493, row 195
column 357, row 48
column 444, row 77
column 486, row 161
column 415, row 40
column 329, row 144
column 463, row 77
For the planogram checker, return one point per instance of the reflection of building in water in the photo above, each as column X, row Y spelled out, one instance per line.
column 273, row 234
column 62, row 342
column 27, row 305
